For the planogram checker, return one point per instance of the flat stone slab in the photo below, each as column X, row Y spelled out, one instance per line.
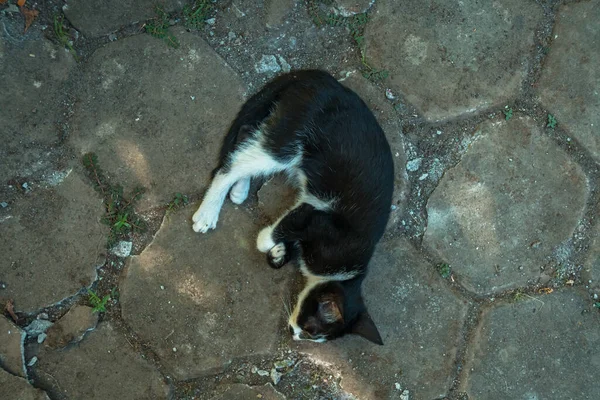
column 568, row 86
column 102, row 366
column 244, row 392
column 156, row 116
column 444, row 57
column 52, row 241
column 498, row 215
column 96, row 18
column 420, row 322
column 13, row 387
column 71, row 327
column 197, row 299
column 11, row 347
column 33, row 73
column 545, row 347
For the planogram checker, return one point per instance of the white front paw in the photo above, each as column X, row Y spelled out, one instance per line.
column 265, row 242
column 205, row 218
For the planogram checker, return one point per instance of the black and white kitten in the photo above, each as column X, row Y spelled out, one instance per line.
column 306, row 124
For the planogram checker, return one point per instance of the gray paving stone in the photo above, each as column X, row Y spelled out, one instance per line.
column 202, row 300
column 542, row 348
column 450, row 58
column 71, row 327
column 11, row 347
column 245, row 392
column 276, row 11
column 102, row 366
column 498, row 215
column 275, row 197
column 156, row 116
column 52, row 241
column 15, row 388
column 33, row 73
column 96, row 18
column 420, row 321
column 568, row 86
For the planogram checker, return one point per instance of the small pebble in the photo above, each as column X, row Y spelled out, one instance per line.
column 275, row 376
column 32, row 362
column 174, row 349
column 4, row 204
column 112, row 37
column 262, row 372
column 41, row 337
column 211, row 21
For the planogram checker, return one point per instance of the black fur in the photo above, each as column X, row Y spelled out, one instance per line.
column 345, row 159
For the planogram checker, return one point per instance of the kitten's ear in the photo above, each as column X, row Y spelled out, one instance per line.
column 365, row 327
column 330, row 312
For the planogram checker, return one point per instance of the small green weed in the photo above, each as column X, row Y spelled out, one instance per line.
column 597, row 304
column 373, row 74
column 179, row 200
column 194, row 15
column 99, row 304
column 508, row 113
column 158, row 27
column 120, row 215
column 62, row 36
column 551, row 121
column 444, row 270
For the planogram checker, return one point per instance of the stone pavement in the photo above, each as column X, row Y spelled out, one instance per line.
column 485, row 285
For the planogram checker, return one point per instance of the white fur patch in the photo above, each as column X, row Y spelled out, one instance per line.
column 239, row 191
column 264, row 241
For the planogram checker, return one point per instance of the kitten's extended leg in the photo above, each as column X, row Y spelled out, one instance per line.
column 239, row 191
column 247, row 161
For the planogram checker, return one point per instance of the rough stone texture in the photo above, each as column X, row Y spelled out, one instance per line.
column 275, row 197
column 276, row 11
column 444, row 56
column 245, row 392
column 498, row 215
column 388, row 119
column 15, row 388
column 34, row 73
column 11, row 347
column 71, row 327
column 156, row 116
column 51, row 243
column 592, row 262
column 196, row 298
column 102, row 366
column 569, row 83
column 419, row 320
column 96, row 18
column 542, row 348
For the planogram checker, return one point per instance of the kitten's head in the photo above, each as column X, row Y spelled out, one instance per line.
column 327, row 310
